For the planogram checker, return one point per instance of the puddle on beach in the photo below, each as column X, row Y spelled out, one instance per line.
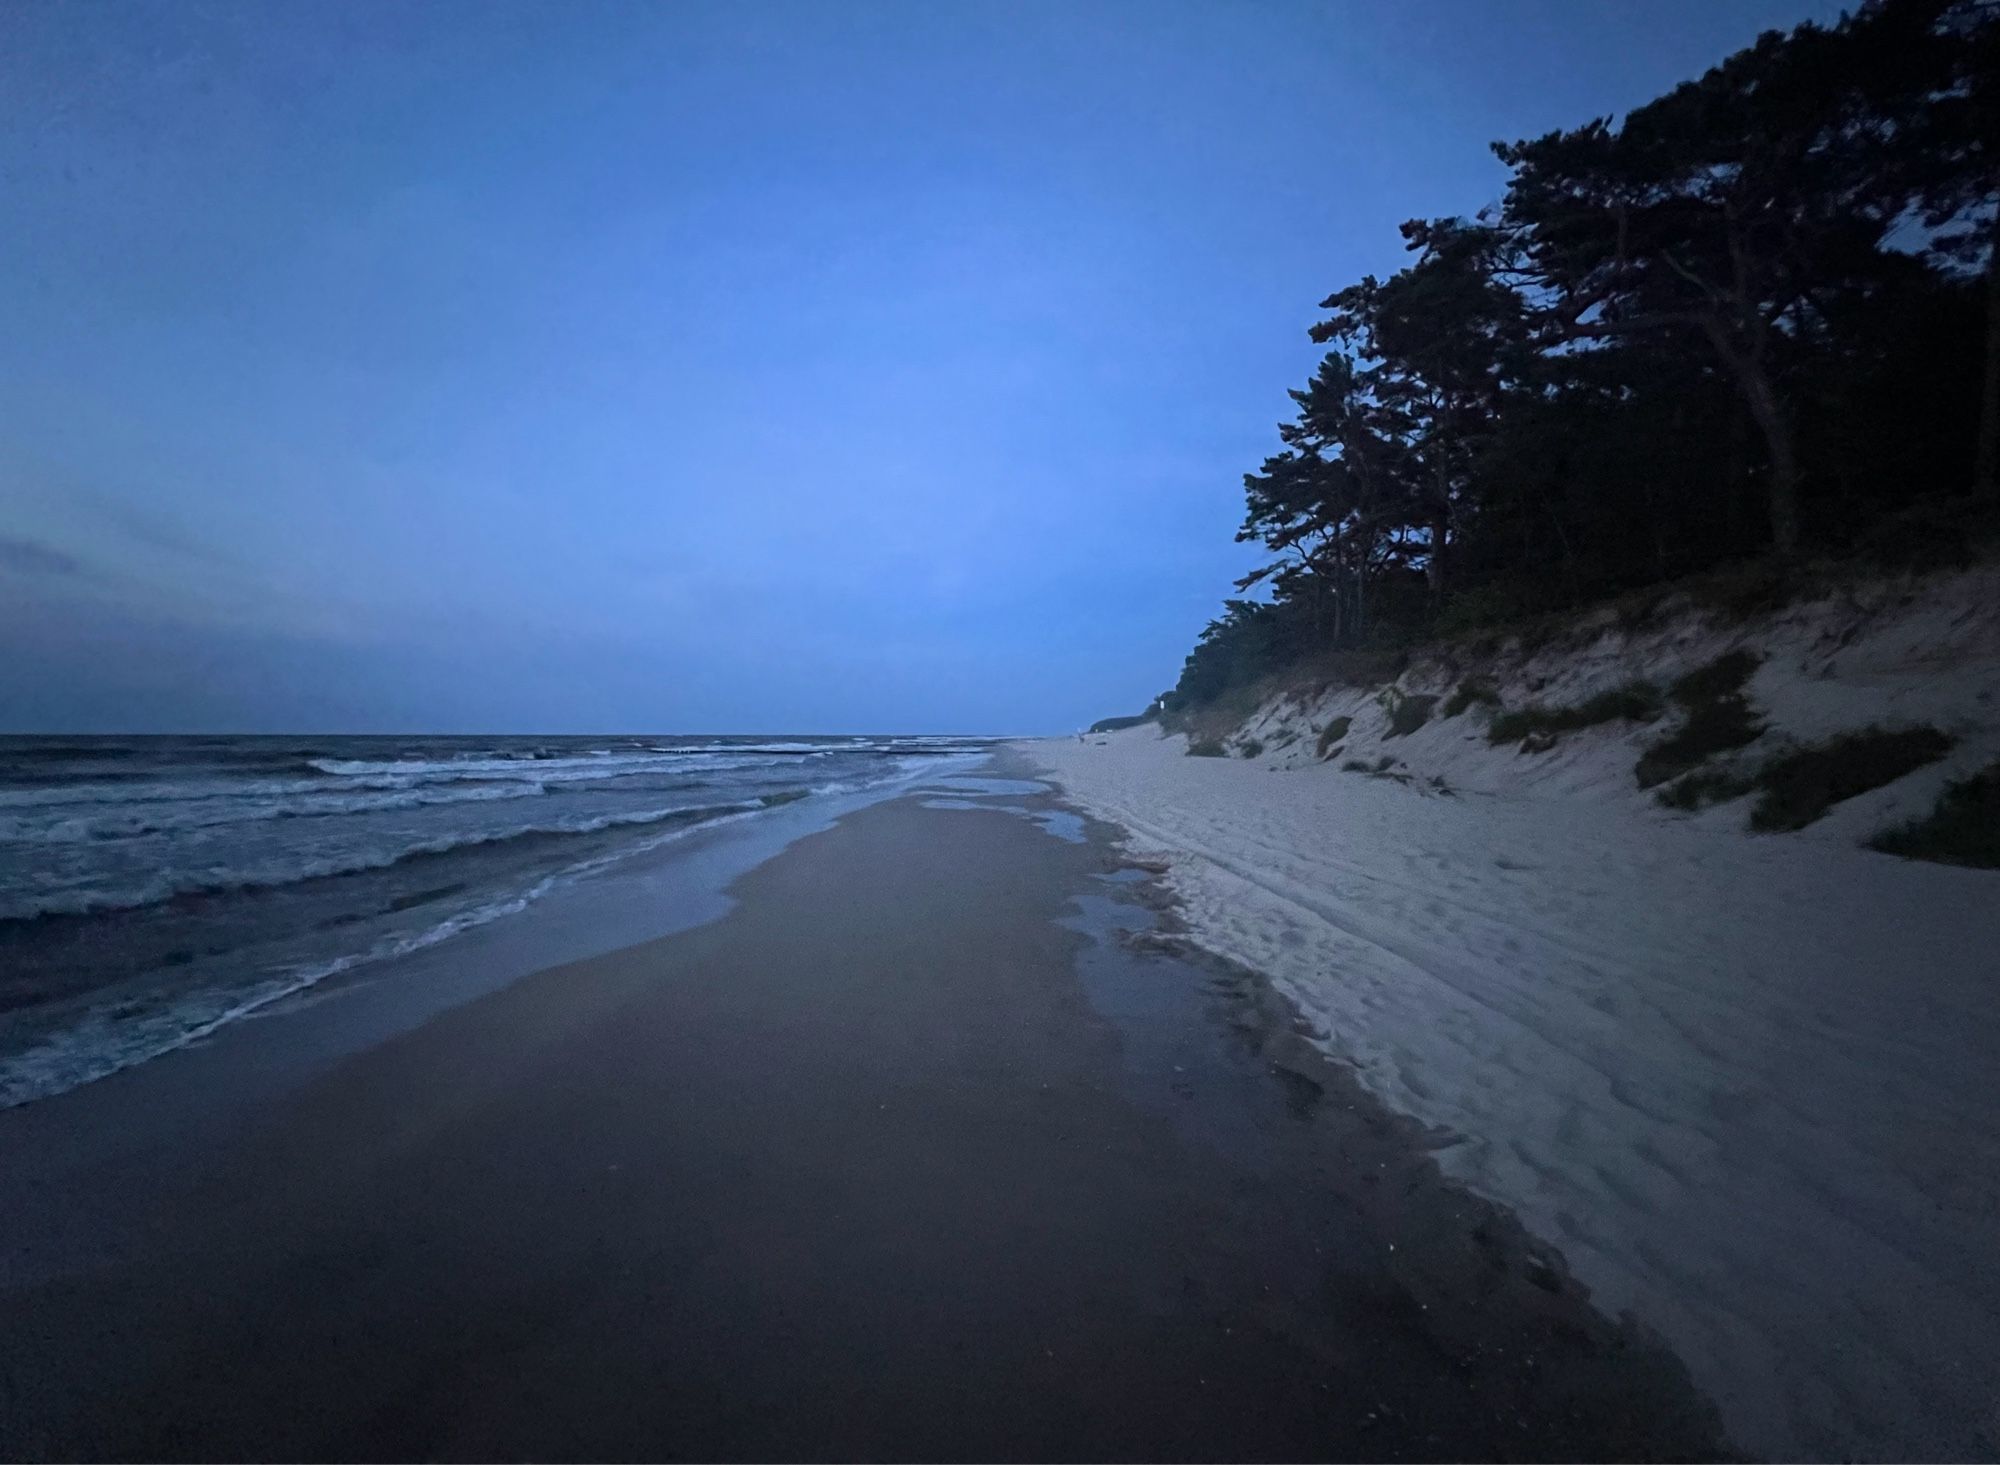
column 978, row 784
column 1059, row 822
column 1195, row 1039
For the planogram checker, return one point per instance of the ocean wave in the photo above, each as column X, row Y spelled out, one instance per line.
column 118, row 1027
column 303, row 774
column 13, row 750
column 58, row 825
column 810, row 749
column 534, row 775
column 155, row 791
column 523, row 766
column 73, row 901
column 602, row 763
column 60, row 775
column 109, row 1039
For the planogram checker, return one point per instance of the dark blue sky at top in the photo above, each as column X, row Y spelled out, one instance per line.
column 758, row 367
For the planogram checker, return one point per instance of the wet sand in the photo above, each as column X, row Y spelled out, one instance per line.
column 912, row 1154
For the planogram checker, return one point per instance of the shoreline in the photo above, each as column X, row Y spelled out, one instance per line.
column 908, row 1153
column 215, row 880
column 1743, row 1085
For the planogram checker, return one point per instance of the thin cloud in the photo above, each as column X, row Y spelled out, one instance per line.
column 31, row 557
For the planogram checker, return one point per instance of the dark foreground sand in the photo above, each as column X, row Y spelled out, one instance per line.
column 908, row 1156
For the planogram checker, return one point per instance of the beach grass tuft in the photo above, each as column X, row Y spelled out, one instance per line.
column 1703, row 787
column 1468, row 692
column 1717, row 719
column 1407, row 711
column 1800, row 787
column 1963, row 829
column 1636, row 701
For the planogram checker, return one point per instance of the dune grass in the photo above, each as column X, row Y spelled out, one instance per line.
column 1717, row 719
column 1408, row 713
column 1800, row 787
column 1723, row 677
column 1963, row 829
column 1703, row 787
column 1471, row 690
column 1637, row 701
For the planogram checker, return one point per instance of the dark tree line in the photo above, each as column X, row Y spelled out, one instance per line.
column 1759, row 316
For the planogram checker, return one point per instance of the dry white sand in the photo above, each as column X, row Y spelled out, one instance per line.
column 1749, row 1086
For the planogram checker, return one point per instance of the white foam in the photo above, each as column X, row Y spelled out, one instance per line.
column 108, row 1040
column 64, row 825
column 51, row 894
column 602, row 763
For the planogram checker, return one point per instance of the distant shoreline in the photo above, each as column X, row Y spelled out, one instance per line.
column 907, row 1154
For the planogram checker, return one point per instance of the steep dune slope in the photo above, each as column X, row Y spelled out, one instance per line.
column 1746, row 1083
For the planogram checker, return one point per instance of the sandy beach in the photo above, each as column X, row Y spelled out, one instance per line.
column 911, row 1154
column 1745, row 1086
column 1000, row 731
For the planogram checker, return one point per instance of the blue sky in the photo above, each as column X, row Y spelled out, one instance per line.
column 749, row 367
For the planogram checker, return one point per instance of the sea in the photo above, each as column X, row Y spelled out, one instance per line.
column 153, row 889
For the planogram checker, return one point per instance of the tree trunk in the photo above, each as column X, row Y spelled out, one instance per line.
column 1741, row 351
column 1986, row 463
column 1361, row 586
column 1434, row 563
column 1761, row 397
column 1783, row 491
column 1736, row 472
